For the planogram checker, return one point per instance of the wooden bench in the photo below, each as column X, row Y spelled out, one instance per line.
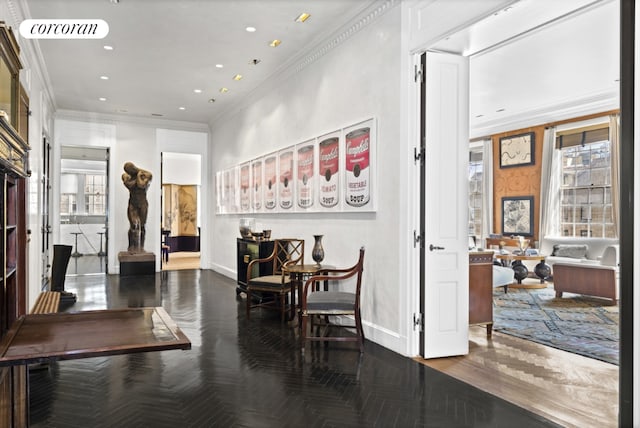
column 47, row 302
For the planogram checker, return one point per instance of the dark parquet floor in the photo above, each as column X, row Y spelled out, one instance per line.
column 243, row 373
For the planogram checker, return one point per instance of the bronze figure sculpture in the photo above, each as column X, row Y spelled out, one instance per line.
column 137, row 181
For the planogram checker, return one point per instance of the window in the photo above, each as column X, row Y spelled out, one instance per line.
column 94, row 194
column 475, row 192
column 68, row 205
column 585, row 191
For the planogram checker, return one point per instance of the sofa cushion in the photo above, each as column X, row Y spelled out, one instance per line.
column 574, row 251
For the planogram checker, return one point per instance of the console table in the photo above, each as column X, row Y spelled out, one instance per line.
column 542, row 270
column 481, row 289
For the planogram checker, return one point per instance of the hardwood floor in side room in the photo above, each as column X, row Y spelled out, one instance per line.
column 569, row 389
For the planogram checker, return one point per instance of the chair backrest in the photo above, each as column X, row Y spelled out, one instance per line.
column 341, row 274
column 287, row 252
column 61, row 257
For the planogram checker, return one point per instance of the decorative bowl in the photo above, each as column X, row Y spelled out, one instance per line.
column 246, row 226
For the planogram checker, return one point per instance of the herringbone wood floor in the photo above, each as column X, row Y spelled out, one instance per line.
column 243, row 373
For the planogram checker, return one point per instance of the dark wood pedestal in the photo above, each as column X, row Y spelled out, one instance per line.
column 481, row 289
column 137, row 263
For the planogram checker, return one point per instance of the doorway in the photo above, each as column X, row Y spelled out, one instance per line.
column 181, row 211
column 84, row 207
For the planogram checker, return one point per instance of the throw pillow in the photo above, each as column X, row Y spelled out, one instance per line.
column 575, row 251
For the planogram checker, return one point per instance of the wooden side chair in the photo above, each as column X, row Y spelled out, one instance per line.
column 286, row 252
column 318, row 304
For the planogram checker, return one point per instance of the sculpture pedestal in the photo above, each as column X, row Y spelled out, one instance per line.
column 137, row 263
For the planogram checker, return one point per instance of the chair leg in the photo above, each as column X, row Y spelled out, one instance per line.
column 248, row 292
column 359, row 331
column 303, row 332
column 282, row 308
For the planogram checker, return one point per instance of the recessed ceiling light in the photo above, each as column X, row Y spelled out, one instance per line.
column 251, row 29
column 182, row 108
column 102, row 99
column 108, row 48
column 104, row 77
column 157, row 114
column 122, row 110
column 219, row 65
column 197, row 91
column 499, row 110
column 302, row 17
column 212, row 100
column 275, row 43
column 480, row 115
column 223, row 90
column 237, row 77
column 254, row 61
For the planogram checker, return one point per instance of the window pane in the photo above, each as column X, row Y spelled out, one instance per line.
column 568, row 196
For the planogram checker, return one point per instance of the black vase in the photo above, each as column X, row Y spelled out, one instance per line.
column 318, row 252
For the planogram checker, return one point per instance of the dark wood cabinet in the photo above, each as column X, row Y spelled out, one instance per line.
column 481, row 289
column 13, row 229
column 248, row 250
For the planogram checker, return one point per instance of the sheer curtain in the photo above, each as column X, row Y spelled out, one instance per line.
column 487, row 189
column 551, row 178
column 614, row 138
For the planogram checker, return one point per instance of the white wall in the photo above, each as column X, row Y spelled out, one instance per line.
column 139, row 141
column 181, row 168
column 357, row 80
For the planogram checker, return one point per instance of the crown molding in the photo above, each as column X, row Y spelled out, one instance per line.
column 327, row 43
column 594, row 103
column 83, row 116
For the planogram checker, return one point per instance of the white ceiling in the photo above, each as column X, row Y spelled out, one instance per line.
column 165, row 49
column 556, row 52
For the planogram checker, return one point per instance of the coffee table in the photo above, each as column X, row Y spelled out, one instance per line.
column 542, row 270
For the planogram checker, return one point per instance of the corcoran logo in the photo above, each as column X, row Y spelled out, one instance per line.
column 64, row 29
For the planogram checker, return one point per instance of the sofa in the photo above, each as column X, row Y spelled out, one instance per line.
column 586, row 266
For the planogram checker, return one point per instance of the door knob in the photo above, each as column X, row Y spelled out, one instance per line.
column 434, row 247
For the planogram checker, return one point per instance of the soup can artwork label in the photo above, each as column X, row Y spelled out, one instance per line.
column 245, row 194
column 305, row 176
column 256, row 168
column 270, row 183
column 328, row 172
column 357, row 167
column 286, row 176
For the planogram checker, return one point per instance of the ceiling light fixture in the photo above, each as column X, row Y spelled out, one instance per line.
column 104, row 77
column 302, row 17
column 219, row 65
column 212, row 100
column 157, row 114
column 197, row 91
column 254, row 61
column 237, row 77
column 251, row 29
column 108, row 48
column 275, row 43
column 500, row 110
column 182, row 108
column 102, row 99
column 115, row 1
column 223, row 90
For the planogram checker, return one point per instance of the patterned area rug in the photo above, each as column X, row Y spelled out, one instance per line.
column 574, row 323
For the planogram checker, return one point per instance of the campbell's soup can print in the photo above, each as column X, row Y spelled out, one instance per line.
column 257, row 185
column 245, row 194
column 270, row 184
column 305, row 176
column 286, row 176
column 328, row 172
column 357, row 167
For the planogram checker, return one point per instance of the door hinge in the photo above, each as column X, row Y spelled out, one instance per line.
column 418, row 155
column 418, row 322
column 418, row 239
column 418, row 75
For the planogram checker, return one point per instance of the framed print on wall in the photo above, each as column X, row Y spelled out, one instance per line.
column 270, row 182
column 359, row 166
column 329, row 170
column 245, row 187
column 285, row 183
column 517, row 215
column 517, row 150
column 256, row 186
column 306, row 176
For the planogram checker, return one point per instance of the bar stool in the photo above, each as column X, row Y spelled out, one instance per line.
column 76, row 253
column 101, row 253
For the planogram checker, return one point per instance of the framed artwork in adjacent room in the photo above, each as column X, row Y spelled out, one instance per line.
column 517, row 150
column 517, row 215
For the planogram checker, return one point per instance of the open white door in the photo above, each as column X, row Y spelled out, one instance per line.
column 446, row 158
